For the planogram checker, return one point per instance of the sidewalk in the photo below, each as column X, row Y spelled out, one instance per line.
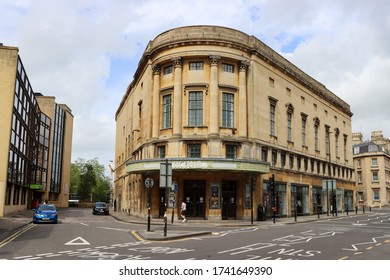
column 176, row 230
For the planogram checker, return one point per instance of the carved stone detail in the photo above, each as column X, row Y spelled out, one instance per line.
column 214, row 59
column 177, row 62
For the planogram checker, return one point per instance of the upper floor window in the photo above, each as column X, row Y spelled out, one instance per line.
column 168, row 70
column 374, row 162
column 161, row 151
column 167, row 111
column 290, row 111
column 227, row 110
column 231, row 151
column 196, row 65
column 304, row 129
column 376, row 194
column 227, row 68
column 193, row 150
column 359, row 175
column 272, row 115
column 289, row 127
column 375, row 176
column 195, row 108
column 316, row 127
column 274, row 157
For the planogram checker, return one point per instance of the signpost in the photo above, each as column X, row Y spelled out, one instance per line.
column 166, row 182
column 149, row 184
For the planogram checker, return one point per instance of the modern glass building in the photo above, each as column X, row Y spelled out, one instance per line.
column 33, row 164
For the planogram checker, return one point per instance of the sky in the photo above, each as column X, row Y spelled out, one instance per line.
column 85, row 52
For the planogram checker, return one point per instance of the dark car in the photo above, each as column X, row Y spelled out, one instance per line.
column 100, row 208
column 46, row 213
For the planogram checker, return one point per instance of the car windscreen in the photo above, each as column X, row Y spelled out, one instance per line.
column 47, row 208
column 101, row 204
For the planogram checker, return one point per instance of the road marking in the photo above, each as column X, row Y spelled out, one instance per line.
column 16, row 234
column 78, row 241
column 135, row 234
column 343, row 258
column 84, row 224
column 119, row 229
column 369, row 248
column 358, row 253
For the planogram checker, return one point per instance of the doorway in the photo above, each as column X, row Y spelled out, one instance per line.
column 228, row 200
column 194, row 197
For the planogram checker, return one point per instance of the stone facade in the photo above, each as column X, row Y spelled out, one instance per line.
column 372, row 165
column 217, row 98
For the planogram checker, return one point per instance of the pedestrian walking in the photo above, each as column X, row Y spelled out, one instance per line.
column 183, row 209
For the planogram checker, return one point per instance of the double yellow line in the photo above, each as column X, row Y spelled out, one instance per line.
column 16, row 234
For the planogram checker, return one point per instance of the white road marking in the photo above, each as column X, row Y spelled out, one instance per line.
column 78, row 241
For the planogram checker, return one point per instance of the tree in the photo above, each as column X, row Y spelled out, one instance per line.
column 88, row 179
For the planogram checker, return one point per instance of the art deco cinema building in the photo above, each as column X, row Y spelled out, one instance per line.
column 222, row 108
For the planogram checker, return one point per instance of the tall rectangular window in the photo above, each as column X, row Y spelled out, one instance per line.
column 345, row 147
column 228, row 110
column 195, row 108
column 272, row 119
column 375, row 176
column 193, row 151
column 161, row 151
column 167, row 114
column 316, row 138
column 289, row 136
column 303, row 130
column 376, row 195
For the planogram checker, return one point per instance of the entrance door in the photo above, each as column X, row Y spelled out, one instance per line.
column 228, row 200
column 194, row 196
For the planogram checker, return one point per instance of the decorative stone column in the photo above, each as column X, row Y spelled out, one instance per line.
column 213, row 91
column 243, row 105
column 177, row 97
column 156, row 101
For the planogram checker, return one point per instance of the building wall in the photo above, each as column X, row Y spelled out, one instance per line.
column 20, row 185
column 261, row 77
column 8, row 64
column 367, row 161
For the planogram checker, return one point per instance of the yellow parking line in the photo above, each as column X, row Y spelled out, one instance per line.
column 343, row 258
column 369, row 248
column 135, row 234
column 16, row 234
column 378, row 244
column 358, row 253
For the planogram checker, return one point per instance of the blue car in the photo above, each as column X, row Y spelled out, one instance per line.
column 46, row 213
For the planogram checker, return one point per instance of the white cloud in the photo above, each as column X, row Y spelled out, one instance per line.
column 85, row 52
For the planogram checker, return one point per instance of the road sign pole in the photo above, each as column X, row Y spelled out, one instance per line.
column 166, row 199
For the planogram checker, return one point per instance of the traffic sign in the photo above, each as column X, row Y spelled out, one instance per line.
column 149, row 182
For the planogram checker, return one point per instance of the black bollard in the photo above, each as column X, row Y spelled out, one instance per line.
column 356, row 210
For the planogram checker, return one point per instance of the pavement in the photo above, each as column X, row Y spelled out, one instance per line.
column 14, row 223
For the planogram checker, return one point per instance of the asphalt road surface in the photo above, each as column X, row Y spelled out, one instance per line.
column 82, row 236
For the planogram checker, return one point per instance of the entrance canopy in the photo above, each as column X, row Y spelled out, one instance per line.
column 201, row 164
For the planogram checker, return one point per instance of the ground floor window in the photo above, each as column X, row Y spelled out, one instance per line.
column 299, row 199
column 8, row 194
column 348, row 200
column 375, row 193
column 279, row 199
column 317, row 200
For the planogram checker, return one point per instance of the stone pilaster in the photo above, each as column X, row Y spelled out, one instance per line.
column 156, row 101
column 177, row 97
column 243, row 105
column 213, row 91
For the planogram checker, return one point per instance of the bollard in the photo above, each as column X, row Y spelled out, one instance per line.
column 370, row 208
column 363, row 209
column 356, row 210
column 347, row 212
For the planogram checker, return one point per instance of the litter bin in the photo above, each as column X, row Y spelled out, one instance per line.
column 261, row 213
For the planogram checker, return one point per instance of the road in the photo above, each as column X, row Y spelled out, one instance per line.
column 81, row 236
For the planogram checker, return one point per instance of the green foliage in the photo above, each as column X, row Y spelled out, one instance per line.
column 87, row 178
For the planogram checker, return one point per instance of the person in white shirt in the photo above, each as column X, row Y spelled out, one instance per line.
column 183, row 211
